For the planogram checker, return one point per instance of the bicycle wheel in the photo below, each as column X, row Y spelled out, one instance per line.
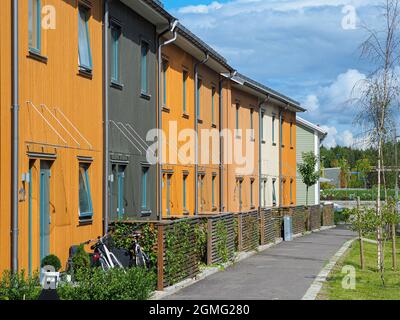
column 104, row 265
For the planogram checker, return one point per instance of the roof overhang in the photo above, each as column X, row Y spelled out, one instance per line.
column 198, row 49
column 317, row 129
column 151, row 11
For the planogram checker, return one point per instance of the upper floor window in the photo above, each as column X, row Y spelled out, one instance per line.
column 273, row 130
column 252, row 123
column 143, row 66
column 115, row 54
column 85, row 53
column 213, row 105
column 34, row 26
column 164, row 81
column 291, row 134
column 281, row 130
column 237, row 117
column 184, row 84
column 85, row 198
column 199, row 84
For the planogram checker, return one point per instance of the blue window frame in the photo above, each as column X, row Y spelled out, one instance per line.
column 184, row 191
column 34, row 25
column 184, row 84
column 115, row 53
column 273, row 192
column 164, row 81
column 143, row 67
column 198, row 99
column 273, row 129
column 237, row 116
column 213, row 105
column 213, row 191
column 85, row 53
column 85, row 197
column 281, row 130
column 145, row 173
column 251, row 193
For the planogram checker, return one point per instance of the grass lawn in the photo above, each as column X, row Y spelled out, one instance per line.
column 368, row 282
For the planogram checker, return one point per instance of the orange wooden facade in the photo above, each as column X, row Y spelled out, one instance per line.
column 5, row 135
column 61, row 129
column 242, row 186
column 288, row 158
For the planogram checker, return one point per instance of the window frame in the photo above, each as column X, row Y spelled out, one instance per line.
column 198, row 98
column 144, row 182
column 165, row 66
column 116, row 54
column 213, row 179
column 144, row 67
column 274, row 199
column 273, row 129
column 252, row 193
column 184, row 187
column 89, row 214
column 34, row 26
column 185, row 76
column 213, row 93
column 86, row 9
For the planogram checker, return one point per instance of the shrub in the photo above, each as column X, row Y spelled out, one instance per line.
column 51, row 260
column 115, row 284
column 81, row 259
column 19, row 286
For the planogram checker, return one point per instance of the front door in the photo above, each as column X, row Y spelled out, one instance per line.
column 44, row 209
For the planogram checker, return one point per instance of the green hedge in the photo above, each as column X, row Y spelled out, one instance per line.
column 115, row 284
column 352, row 194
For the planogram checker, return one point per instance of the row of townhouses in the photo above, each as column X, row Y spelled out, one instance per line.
column 84, row 86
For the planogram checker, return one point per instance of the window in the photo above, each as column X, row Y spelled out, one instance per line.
column 213, row 191
column 85, row 54
column 143, row 67
column 291, row 191
column 145, row 172
column 251, row 193
column 273, row 129
column 291, row 132
column 262, row 127
column 251, row 123
column 85, row 198
column 185, row 77
column 281, row 130
column 198, row 101
column 264, row 194
column 34, row 26
column 115, row 47
column 212, row 105
column 185, row 191
column 164, row 81
column 201, row 189
column 237, row 116
column 273, row 192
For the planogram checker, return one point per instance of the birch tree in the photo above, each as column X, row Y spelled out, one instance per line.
column 378, row 94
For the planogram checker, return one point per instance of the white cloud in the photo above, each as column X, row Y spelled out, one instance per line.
column 201, row 8
column 311, row 103
column 334, row 138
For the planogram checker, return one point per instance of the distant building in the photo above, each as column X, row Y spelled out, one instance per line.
column 308, row 138
column 333, row 174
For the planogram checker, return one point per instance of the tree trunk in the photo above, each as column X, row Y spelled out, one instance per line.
column 394, row 257
column 306, row 196
column 360, row 236
column 379, row 213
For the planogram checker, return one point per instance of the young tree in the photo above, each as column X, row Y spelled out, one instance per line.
column 363, row 166
column 378, row 93
column 308, row 171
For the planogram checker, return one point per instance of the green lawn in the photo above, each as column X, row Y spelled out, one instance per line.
column 368, row 283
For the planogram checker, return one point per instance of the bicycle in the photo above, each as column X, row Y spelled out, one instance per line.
column 141, row 258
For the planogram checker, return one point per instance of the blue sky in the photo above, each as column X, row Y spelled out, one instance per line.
column 298, row 47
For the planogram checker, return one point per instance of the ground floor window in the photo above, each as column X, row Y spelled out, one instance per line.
column 85, row 197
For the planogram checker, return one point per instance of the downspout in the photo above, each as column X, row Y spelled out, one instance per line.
column 159, row 113
column 106, row 121
column 260, row 136
column 15, row 134
column 221, row 144
column 196, row 127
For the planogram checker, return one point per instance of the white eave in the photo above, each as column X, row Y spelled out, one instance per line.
column 317, row 129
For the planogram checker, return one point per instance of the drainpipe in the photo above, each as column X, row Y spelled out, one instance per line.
column 221, row 144
column 106, row 121
column 15, row 135
column 196, row 127
column 159, row 140
column 260, row 125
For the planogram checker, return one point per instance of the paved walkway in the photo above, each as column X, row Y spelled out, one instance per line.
column 282, row 272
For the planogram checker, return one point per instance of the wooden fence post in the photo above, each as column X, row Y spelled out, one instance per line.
column 160, row 258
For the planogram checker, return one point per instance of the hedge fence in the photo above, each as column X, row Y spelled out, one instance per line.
column 181, row 246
